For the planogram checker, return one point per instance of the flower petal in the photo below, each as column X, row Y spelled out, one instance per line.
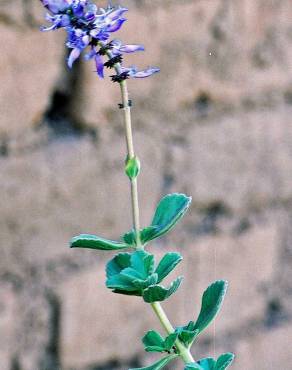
column 64, row 21
column 55, row 6
column 99, row 65
column 117, row 13
column 131, row 48
column 91, row 54
column 115, row 26
column 75, row 53
column 146, row 72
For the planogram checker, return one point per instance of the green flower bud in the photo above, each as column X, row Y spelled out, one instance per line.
column 132, row 167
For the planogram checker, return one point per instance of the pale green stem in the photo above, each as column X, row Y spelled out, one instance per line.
column 131, row 153
column 183, row 351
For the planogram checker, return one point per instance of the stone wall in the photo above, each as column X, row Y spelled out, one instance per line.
column 215, row 124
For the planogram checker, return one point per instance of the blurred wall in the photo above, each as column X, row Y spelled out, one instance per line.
column 215, row 124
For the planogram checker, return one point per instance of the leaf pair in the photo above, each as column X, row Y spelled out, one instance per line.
column 135, row 274
column 211, row 303
column 209, row 363
column 154, row 342
column 168, row 212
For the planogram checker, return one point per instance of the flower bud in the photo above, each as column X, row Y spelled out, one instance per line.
column 132, row 167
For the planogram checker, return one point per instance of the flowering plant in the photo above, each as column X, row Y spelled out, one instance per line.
column 89, row 29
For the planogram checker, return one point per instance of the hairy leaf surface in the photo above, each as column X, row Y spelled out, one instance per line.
column 96, row 242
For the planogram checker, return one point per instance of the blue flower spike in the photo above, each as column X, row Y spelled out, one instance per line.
column 91, row 27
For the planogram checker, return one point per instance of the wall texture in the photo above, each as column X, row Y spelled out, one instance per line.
column 215, row 124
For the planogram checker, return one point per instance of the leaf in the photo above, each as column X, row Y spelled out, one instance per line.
column 207, row 363
column 131, row 272
column 188, row 336
column 211, row 303
column 224, row 361
column 167, row 264
column 115, row 280
column 153, row 341
column 146, row 234
column 159, row 364
column 143, row 284
column 95, row 242
column 157, row 293
column 168, row 212
column 143, row 262
column 121, row 282
column 117, row 264
column 170, row 340
column 154, row 349
column 130, row 238
column 193, row 366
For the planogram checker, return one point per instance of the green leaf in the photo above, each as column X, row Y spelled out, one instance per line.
column 131, row 272
column 117, row 264
column 211, row 303
column 115, row 280
column 168, row 212
column 143, row 284
column 170, row 340
column 159, row 364
column 224, row 361
column 207, row 363
column 146, row 234
column 95, row 242
column 153, row 342
column 188, row 333
column 167, row 264
column 143, row 262
column 193, row 366
column 130, row 238
column 154, row 349
column 188, row 336
column 132, row 167
column 157, row 293
column 121, row 282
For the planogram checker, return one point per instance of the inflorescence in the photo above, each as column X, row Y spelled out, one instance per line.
column 90, row 27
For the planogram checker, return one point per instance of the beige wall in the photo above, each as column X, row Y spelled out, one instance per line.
column 215, row 123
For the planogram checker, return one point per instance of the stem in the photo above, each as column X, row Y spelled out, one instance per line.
column 131, row 153
column 183, row 351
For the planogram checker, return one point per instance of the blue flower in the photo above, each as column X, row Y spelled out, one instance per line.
column 88, row 26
